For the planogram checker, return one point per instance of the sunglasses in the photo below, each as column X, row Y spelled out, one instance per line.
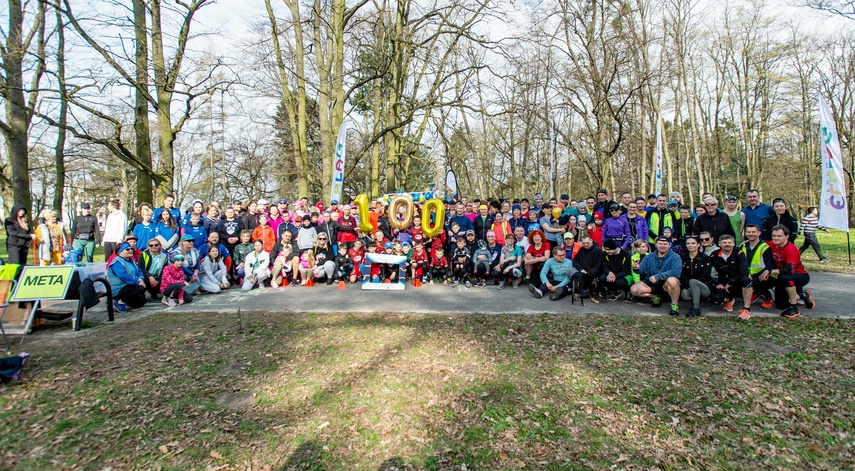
column 154, row 245
column 616, row 210
column 709, row 204
column 322, row 238
column 707, row 239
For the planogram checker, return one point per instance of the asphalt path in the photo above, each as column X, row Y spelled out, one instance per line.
column 833, row 294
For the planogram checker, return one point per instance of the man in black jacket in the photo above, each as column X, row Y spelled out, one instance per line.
column 617, row 265
column 588, row 263
column 85, row 232
column 728, row 265
column 714, row 221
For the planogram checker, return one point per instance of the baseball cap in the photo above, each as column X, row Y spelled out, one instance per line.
column 237, row 201
column 85, row 206
column 565, row 196
column 334, row 202
column 407, row 243
column 470, row 232
column 187, row 237
column 661, row 238
column 731, row 198
column 388, row 245
column 283, row 201
column 614, row 206
column 568, row 235
column 672, row 203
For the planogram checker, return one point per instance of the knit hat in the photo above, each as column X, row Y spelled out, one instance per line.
column 515, row 207
column 610, row 244
column 178, row 257
column 307, row 218
column 598, row 215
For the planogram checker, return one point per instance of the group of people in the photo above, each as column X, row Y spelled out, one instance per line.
column 655, row 247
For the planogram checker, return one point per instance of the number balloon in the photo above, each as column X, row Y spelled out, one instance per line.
column 409, row 211
column 431, row 231
column 361, row 203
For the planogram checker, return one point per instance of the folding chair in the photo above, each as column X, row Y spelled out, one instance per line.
column 5, row 289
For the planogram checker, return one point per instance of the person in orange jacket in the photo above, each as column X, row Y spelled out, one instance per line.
column 264, row 233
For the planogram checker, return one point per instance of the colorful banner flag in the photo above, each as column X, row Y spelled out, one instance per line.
column 833, row 208
column 338, row 162
column 657, row 183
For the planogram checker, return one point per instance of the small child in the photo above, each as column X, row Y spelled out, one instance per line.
column 481, row 260
column 172, row 282
column 343, row 262
column 461, row 264
column 533, row 223
column 390, row 270
column 356, row 254
column 454, row 231
column 419, row 262
column 375, row 267
column 595, row 230
column 669, row 233
column 407, row 251
column 282, row 265
column 439, row 266
column 307, row 265
column 639, row 250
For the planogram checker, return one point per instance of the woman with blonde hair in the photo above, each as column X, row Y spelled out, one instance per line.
column 50, row 239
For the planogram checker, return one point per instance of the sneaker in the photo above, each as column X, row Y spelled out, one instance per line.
column 675, row 309
column 535, row 291
column 629, row 298
column 555, row 294
column 614, row 295
column 694, row 313
column 791, row 312
column 454, row 284
column 744, row 314
column 808, row 299
column 501, row 285
column 165, row 300
column 656, row 301
column 754, row 297
column 171, row 303
column 516, row 283
column 329, row 281
column 767, row 304
column 468, row 284
column 728, row 306
column 825, row 260
column 121, row 307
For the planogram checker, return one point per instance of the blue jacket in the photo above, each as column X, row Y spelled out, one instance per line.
column 203, row 250
column 121, row 273
column 758, row 214
column 617, row 228
column 199, row 233
column 176, row 215
column 166, row 232
column 557, row 272
column 464, row 221
column 144, row 234
column 661, row 268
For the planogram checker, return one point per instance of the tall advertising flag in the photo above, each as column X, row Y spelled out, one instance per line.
column 833, row 209
column 657, row 184
column 451, row 185
column 338, row 162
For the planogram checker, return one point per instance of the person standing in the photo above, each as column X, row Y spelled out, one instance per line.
column 85, row 232
column 810, row 223
column 756, row 211
column 18, row 235
column 115, row 228
column 737, row 217
column 168, row 205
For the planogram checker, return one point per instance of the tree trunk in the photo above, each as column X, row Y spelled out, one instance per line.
column 59, row 149
column 141, row 123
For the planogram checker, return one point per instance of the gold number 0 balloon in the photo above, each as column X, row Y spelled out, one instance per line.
column 439, row 225
column 361, row 203
column 392, row 212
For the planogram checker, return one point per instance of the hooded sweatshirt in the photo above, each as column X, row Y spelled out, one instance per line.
column 16, row 236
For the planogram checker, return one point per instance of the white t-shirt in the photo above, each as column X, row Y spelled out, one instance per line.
column 116, row 227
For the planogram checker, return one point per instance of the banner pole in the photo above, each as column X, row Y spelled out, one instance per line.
column 849, row 248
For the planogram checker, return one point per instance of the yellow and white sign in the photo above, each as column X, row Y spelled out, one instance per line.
column 43, row 283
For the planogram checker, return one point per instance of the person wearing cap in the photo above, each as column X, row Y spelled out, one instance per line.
column 261, row 206
column 737, row 217
column 617, row 270
column 659, row 218
column 126, row 280
column 660, row 275
column 482, row 223
column 616, row 227
column 282, row 205
column 603, row 201
column 538, row 202
column 676, row 196
column 191, row 266
column 781, row 217
column 168, row 205
column 85, row 232
column 714, row 221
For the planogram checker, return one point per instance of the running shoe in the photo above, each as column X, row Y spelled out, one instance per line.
column 537, row 293
column 675, row 309
column 808, row 299
column 121, row 307
column 767, row 304
column 656, row 301
column 744, row 314
column 791, row 312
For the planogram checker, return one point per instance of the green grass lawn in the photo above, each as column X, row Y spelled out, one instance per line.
column 834, row 247
column 330, row 392
column 4, row 254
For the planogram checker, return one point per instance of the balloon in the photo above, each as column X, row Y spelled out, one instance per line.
column 409, row 211
column 361, row 203
column 556, row 212
column 432, row 231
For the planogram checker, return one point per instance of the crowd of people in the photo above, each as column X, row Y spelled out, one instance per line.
column 655, row 248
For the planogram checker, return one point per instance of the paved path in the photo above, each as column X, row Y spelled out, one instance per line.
column 832, row 292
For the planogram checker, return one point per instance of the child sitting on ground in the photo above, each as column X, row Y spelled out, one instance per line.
column 172, row 282
column 343, row 262
column 282, row 266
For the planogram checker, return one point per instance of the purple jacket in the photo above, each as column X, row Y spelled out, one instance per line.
column 617, row 228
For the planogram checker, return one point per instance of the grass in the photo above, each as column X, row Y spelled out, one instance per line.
column 4, row 254
column 327, row 392
column 834, row 246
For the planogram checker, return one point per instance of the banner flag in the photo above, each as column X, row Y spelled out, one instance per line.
column 338, row 162
column 657, row 185
column 451, row 184
column 833, row 208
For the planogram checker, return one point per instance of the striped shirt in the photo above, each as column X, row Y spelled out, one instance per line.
column 810, row 224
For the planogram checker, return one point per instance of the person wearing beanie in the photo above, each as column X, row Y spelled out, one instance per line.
column 588, row 263
column 517, row 219
column 126, row 280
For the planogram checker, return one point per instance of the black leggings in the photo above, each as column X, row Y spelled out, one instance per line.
column 172, row 290
column 132, row 295
column 437, row 273
column 620, row 283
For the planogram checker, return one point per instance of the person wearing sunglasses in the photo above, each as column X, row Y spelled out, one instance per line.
column 713, row 221
column 151, row 261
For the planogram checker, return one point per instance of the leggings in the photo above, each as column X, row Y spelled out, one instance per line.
column 620, row 283
column 438, row 273
column 88, row 247
column 132, row 295
column 696, row 292
column 172, row 291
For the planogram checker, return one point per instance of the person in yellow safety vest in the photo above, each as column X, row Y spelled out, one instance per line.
column 755, row 266
column 659, row 218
